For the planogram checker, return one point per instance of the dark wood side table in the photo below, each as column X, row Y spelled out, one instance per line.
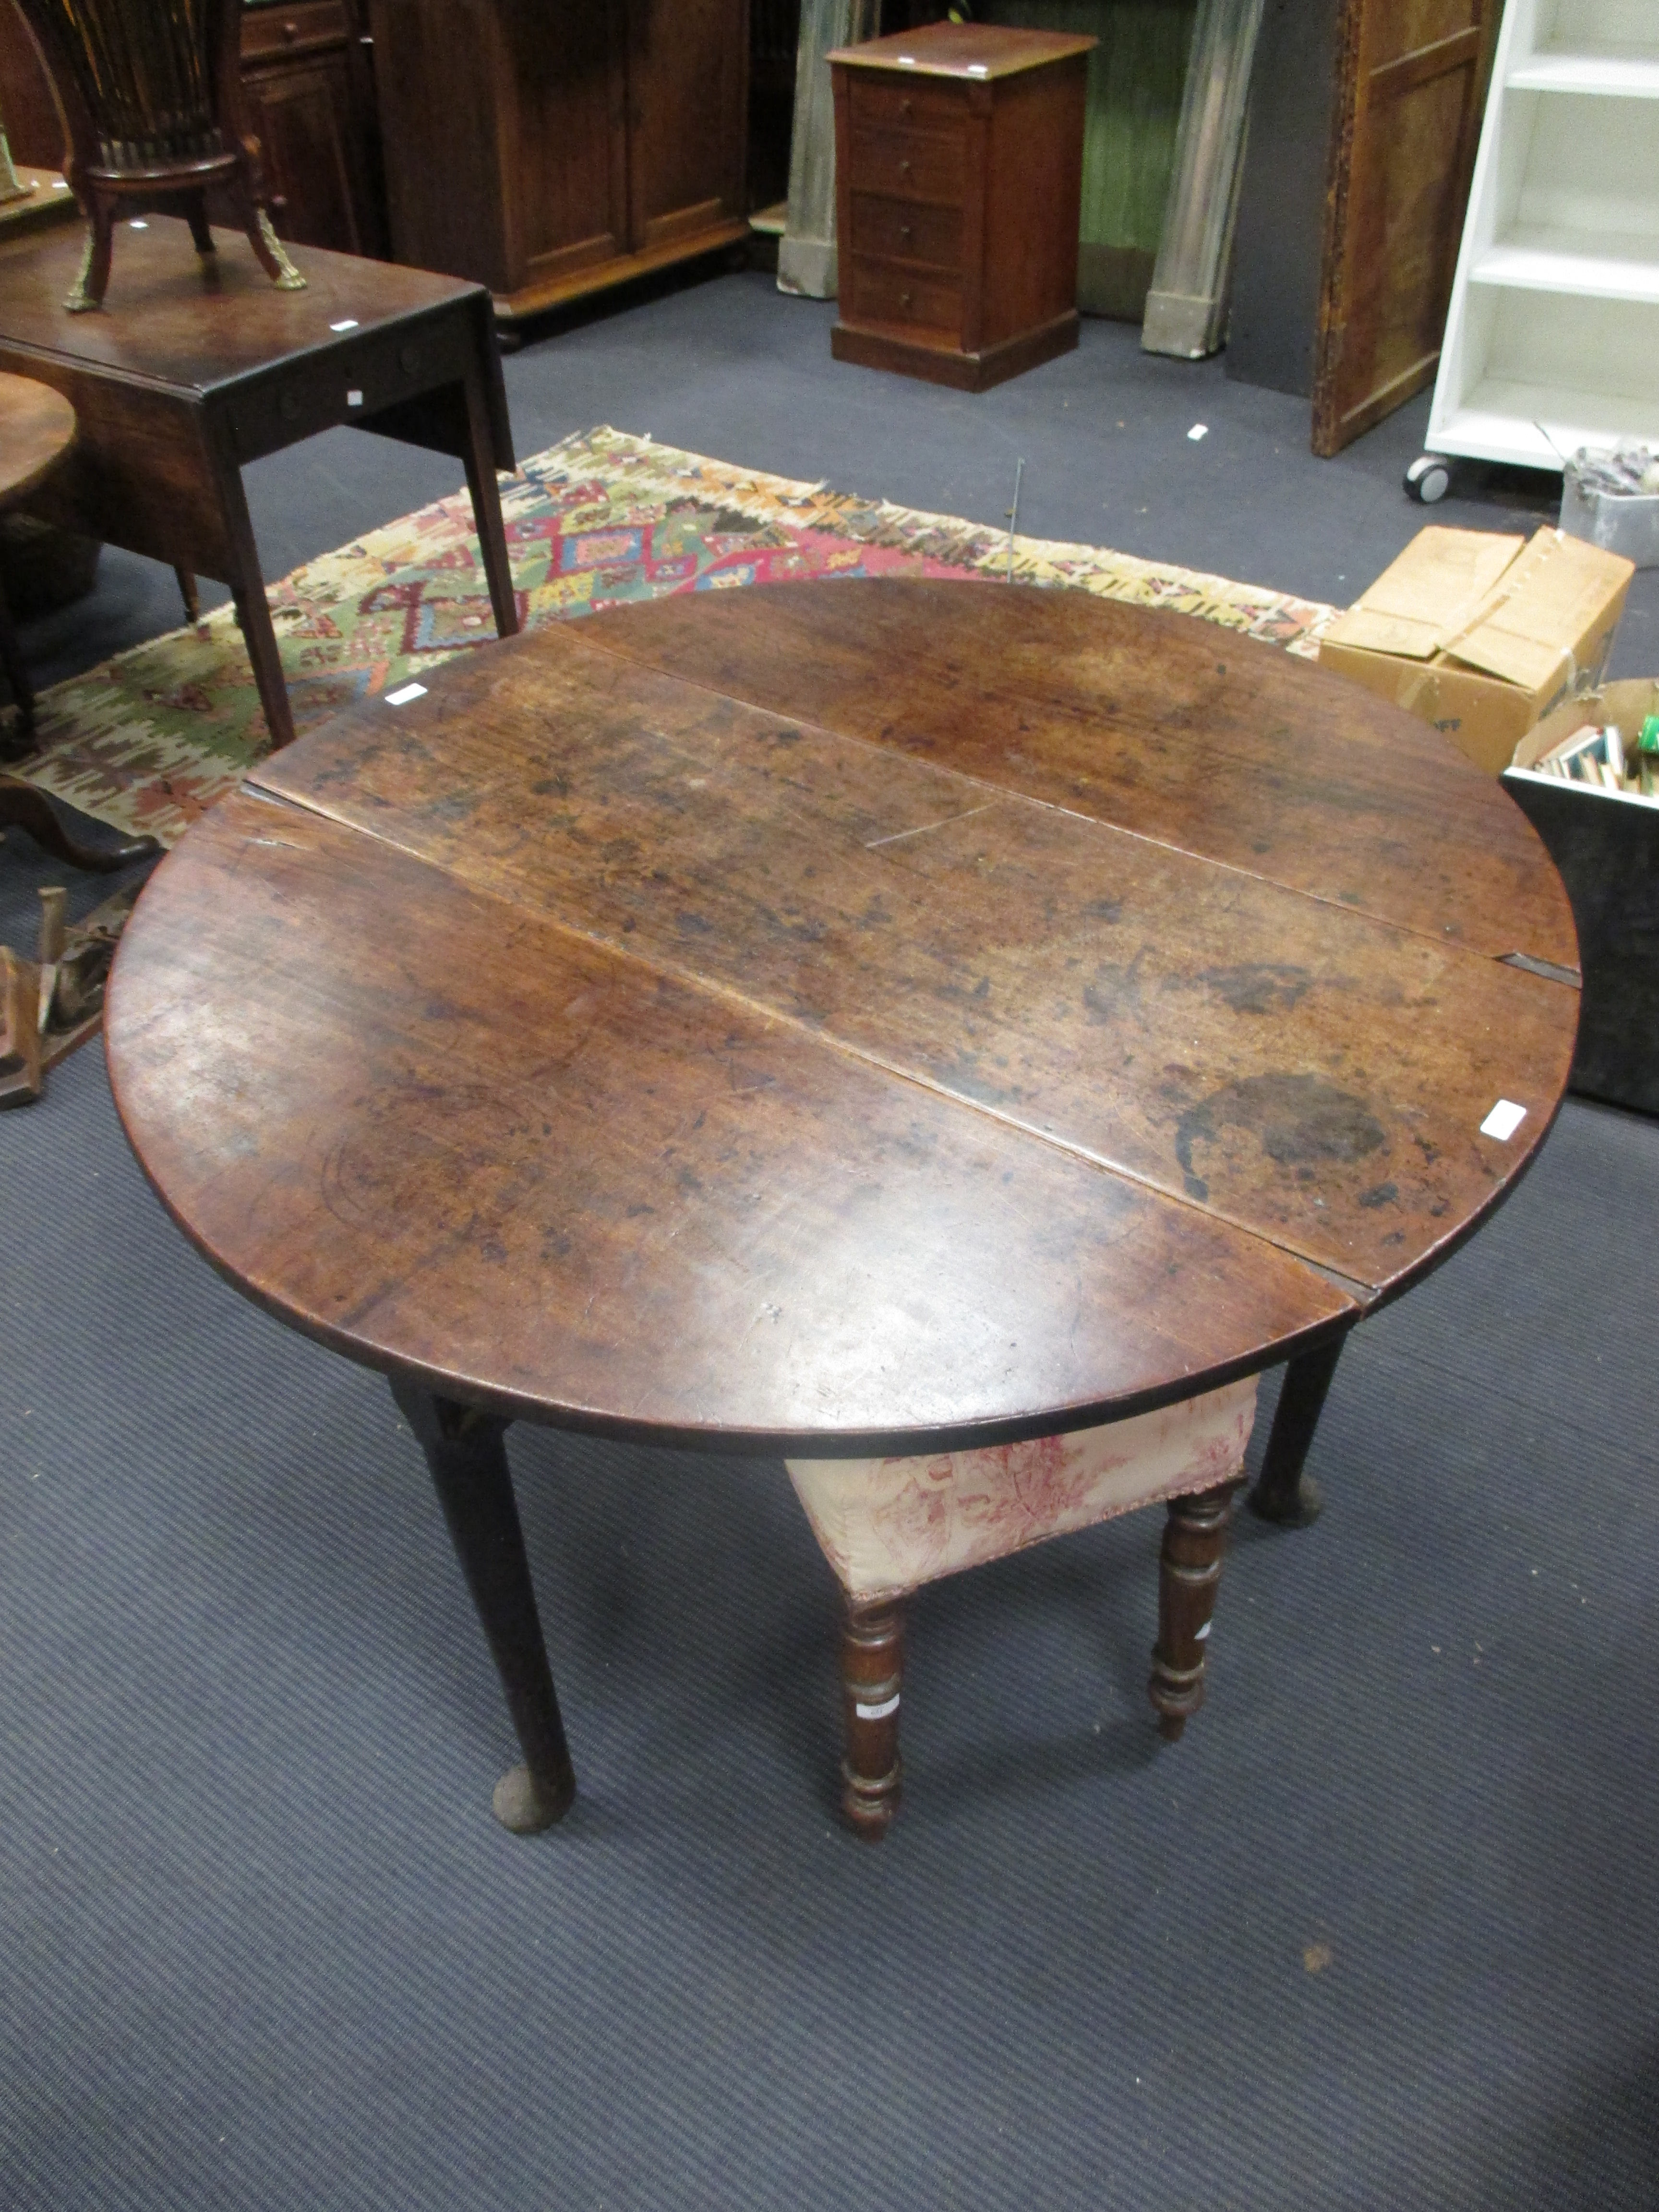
column 852, row 1018
column 958, row 190
column 192, row 369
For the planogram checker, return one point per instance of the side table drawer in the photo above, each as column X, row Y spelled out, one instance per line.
column 314, row 394
column 912, row 104
column 907, row 166
column 882, row 293
column 905, row 230
column 268, row 32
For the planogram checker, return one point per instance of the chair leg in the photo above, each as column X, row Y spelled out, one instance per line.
column 1188, row 1569
column 90, row 285
column 190, row 592
column 271, row 252
column 201, row 237
column 871, row 1672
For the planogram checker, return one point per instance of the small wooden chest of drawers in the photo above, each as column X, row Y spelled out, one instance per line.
column 959, row 185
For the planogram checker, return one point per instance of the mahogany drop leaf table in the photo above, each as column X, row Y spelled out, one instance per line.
column 846, row 1021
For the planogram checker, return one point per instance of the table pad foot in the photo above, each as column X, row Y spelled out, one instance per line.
column 525, row 1806
column 1300, row 1510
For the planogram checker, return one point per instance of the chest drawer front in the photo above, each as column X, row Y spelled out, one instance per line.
column 313, row 394
column 270, row 32
column 907, row 166
column 906, row 103
column 904, row 230
column 882, row 293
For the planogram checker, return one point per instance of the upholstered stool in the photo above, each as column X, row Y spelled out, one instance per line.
column 886, row 1526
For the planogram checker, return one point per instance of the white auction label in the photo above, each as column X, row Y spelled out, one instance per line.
column 877, row 1712
column 405, row 693
column 1504, row 1119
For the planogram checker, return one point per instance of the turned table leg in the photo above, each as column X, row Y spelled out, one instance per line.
column 1283, row 1494
column 467, row 1456
column 872, row 1673
column 1188, row 1569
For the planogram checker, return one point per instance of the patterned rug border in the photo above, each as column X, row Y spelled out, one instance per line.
column 148, row 738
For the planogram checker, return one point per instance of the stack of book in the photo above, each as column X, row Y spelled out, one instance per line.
column 1607, row 759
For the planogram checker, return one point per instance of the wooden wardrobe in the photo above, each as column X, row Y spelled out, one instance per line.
column 551, row 150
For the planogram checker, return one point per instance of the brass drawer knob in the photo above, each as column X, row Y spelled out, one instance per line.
column 905, row 299
column 904, row 168
column 904, row 233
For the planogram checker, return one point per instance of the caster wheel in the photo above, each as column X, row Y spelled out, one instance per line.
column 1428, row 479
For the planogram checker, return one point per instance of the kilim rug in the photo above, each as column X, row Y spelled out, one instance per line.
column 149, row 739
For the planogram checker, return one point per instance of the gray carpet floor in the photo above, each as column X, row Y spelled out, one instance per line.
column 1380, row 1932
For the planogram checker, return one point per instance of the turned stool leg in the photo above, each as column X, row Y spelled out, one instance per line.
column 1283, row 1494
column 465, row 1453
column 92, row 281
column 201, row 237
column 872, row 1671
column 190, row 593
column 1188, row 1569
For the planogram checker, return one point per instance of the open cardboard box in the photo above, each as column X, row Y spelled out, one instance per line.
column 1605, row 844
column 1482, row 633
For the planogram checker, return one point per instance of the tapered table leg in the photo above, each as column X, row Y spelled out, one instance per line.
column 1283, row 1493
column 465, row 1451
column 479, row 461
column 871, row 1674
column 1188, row 1571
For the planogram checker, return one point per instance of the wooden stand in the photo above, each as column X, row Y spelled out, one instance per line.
column 959, row 177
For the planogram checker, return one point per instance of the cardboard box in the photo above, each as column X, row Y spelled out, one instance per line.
column 1482, row 634
column 1606, row 845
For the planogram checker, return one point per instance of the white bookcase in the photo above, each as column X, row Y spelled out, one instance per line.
column 1553, row 337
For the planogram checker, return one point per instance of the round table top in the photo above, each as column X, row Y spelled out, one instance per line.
column 37, row 428
column 864, row 1016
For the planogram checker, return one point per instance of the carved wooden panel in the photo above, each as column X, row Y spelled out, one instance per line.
column 1411, row 86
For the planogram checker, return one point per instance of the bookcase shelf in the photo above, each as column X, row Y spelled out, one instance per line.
column 1553, row 336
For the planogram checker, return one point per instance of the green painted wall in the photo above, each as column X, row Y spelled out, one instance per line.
column 1136, row 76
